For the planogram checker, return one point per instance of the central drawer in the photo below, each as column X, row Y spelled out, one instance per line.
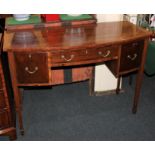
column 83, row 56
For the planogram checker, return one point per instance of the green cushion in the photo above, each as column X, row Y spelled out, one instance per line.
column 34, row 19
column 81, row 17
column 150, row 59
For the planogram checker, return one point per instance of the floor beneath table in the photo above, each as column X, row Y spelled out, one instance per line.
column 68, row 113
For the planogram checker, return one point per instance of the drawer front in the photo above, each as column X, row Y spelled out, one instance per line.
column 4, row 120
column 88, row 55
column 32, row 68
column 106, row 53
column 68, row 56
column 131, row 55
column 2, row 100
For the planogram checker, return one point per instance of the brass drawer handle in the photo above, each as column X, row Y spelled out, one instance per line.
column 71, row 57
column 104, row 55
column 31, row 72
column 132, row 58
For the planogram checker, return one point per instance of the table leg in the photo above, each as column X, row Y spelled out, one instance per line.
column 140, row 78
column 118, row 85
column 12, row 135
column 16, row 91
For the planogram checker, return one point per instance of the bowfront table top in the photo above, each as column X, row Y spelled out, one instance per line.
column 72, row 37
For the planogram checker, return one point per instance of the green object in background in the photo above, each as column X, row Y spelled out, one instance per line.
column 150, row 59
column 34, row 19
column 80, row 17
column 145, row 25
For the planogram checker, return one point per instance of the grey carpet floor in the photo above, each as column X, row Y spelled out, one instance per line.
column 68, row 113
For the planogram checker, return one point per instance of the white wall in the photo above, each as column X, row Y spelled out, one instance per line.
column 104, row 79
column 109, row 17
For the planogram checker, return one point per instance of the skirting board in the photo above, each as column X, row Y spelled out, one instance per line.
column 102, row 93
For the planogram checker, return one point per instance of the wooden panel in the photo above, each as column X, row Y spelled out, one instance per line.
column 78, row 74
column 2, row 100
column 32, row 68
column 113, row 67
column 1, row 86
column 114, row 64
column 82, row 73
column 4, row 120
column 131, row 55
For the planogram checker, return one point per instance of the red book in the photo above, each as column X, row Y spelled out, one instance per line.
column 50, row 17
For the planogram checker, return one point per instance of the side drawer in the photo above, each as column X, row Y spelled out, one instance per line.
column 85, row 56
column 131, row 55
column 2, row 100
column 4, row 120
column 31, row 68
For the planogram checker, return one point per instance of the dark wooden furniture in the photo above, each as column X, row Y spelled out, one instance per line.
column 7, row 124
column 33, row 54
column 59, row 23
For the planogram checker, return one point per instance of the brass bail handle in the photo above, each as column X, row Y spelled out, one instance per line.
column 104, row 55
column 31, row 72
column 132, row 58
column 70, row 59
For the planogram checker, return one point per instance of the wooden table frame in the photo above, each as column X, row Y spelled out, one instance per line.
column 120, row 45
